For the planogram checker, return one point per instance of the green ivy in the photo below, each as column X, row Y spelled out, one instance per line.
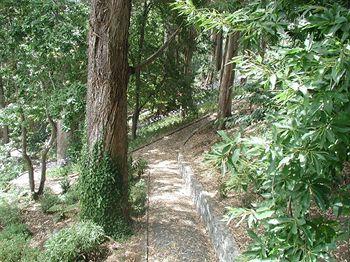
column 100, row 186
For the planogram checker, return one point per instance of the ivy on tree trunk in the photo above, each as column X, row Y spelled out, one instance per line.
column 108, row 75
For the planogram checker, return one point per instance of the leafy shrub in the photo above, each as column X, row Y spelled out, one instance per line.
column 72, row 196
column 138, row 197
column 16, row 248
column 11, row 250
column 10, row 167
column 14, row 229
column 31, row 254
column 9, row 215
column 65, row 184
column 137, row 169
column 14, row 237
column 48, row 200
column 73, row 243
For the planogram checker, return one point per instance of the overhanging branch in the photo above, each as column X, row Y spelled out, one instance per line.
column 155, row 55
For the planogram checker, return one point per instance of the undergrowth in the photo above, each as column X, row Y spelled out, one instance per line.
column 74, row 243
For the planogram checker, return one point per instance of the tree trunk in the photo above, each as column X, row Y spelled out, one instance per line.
column 63, row 140
column 108, row 75
column 26, row 157
column 4, row 130
column 227, row 79
column 44, row 153
column 218, row 51
column 136, row 114
column 188, row 103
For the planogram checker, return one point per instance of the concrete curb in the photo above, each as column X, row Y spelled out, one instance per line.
column 224, row 244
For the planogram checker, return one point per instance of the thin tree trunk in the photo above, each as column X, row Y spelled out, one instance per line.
column 108, row 75
column 63, row 140
column 227, row 79
column 4, row 130
column 136, row 114
column 218, row 51
column 263, row 46
column 223, row 60
column 44, row 153
column 188, row 52
column 26, row 157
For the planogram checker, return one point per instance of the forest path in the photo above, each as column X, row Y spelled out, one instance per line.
column 175, row 232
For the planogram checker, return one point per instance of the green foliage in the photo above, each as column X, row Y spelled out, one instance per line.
column 65, row 185
column 43, row 66
column 14, row 229
column 58, row 171
column 9, row 215
column 296, row 164
column 17, row 249
column 138, row 197
column 48, row 200
column 71, row 196
column 9, row 166
column 100, row 187
column 14, row 236
column 137, row 168
column 73, row 243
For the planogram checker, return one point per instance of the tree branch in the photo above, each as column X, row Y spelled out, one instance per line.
column 155, row 55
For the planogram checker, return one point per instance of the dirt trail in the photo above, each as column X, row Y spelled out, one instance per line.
column 175, row 230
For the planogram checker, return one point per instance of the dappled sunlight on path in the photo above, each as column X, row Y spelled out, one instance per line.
column 175, row 230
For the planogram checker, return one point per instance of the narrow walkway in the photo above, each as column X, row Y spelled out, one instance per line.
column 175, row 230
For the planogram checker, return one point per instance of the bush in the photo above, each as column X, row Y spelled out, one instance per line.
column 10, row 167
column 9, row 215
column 72, row 196
column 12, row 249
column 48, row 200
column 14, row 230
column 136, row 169
column 65, row 185
column 74, row 242
column 138, row 197
column 14, row 237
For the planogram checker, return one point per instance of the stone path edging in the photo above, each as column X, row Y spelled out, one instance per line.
column 224, row 244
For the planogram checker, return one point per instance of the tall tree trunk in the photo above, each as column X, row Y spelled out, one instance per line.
column 188, row 103
column 227, row 79
column 136, row 114
column 44, row 153
column 108, row 75
column 4, row 130
column 216, row 57
column 26, row 157
column 63, row 140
